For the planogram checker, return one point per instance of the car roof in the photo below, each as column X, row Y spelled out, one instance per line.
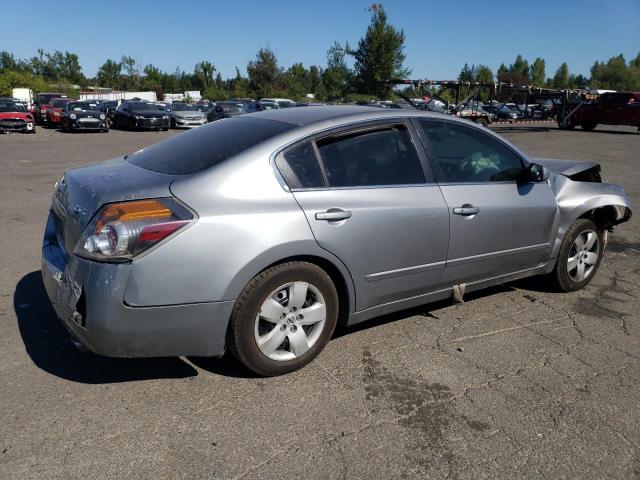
column 303, row 117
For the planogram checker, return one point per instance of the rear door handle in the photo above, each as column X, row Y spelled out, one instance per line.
column 466, row 210
column 333, row 214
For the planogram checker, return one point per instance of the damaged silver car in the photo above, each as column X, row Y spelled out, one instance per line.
column 260, row 233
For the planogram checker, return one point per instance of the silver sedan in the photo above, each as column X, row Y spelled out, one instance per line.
column 260, row 233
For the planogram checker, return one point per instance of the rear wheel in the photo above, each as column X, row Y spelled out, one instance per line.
column 580, row 255
column 283, row 318
column 588, row 126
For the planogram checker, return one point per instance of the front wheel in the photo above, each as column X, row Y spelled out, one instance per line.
column 588, row 126
column 283, row 318
column 580, row 255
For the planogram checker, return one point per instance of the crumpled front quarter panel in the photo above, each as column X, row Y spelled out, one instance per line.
column 577, row 198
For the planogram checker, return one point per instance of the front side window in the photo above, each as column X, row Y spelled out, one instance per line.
column 299, row 167
column 463, row 155
column 384, row 156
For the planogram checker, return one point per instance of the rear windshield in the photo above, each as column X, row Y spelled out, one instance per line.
column 204, row 147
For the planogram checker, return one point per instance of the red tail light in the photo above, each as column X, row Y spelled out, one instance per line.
column 120, row 231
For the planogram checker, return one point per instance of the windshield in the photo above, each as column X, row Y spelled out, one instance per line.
column 285, row 103
column 231, row 107
column 142, row 106
column 46, row 98
column 82, row 106
column 206, row 146
column 59, row 103
column 11, row 107
column 182, row 107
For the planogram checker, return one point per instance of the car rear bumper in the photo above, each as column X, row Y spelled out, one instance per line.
column 88, row 298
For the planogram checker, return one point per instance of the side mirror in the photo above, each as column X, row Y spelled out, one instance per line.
column 537, row 173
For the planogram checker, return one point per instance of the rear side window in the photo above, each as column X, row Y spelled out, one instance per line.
column 206, row 146
column 384, row 156
column 299, row 167
column 464, row 155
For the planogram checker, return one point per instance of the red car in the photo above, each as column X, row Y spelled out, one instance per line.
column 42, row 104
column 54, row 112
column 15, row 118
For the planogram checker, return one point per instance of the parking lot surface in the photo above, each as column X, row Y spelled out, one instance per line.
column 517, row 382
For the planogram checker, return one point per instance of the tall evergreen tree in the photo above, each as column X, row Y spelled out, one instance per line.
column 537, row 74
column 561, row 78
column 380, row 54
column 264, row 73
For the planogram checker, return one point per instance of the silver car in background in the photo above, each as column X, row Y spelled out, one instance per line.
column 260, row 233
column 183, row 115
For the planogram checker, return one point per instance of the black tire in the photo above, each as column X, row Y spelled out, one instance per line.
column 241, row 339
column 588, row 126
column 165, row 129
column 561, row 273
column 566, row 126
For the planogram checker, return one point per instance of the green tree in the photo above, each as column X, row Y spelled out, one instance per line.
column 132, row 71
column 615, row 74
column 503, row 74
column 298, row 81
column 70, row 69
column 537, row 73
column 265, row 76
column 109, row 74
column 11, row 79
column 336, row 78
column 483, row 74
column 239, row 86
column 561, row 78
column 204, row 73
column 380, row 54
column 10, row 63
column 467, row 74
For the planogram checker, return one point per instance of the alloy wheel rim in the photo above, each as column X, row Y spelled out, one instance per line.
column 583, row 256
column 290, row 321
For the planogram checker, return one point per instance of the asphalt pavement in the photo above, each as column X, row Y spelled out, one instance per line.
column 517, row 382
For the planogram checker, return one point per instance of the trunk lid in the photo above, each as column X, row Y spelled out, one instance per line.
column 83, row 191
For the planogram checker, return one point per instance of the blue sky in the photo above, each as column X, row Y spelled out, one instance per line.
column 440, row 35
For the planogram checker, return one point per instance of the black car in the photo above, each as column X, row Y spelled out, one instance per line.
column 83, row 115
column 139, row 115
column 225, row 110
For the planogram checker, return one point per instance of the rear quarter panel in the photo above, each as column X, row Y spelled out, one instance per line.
column 246, row 223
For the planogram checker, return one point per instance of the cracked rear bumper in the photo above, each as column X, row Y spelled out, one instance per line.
column 88, row 298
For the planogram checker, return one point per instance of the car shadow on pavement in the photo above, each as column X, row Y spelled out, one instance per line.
column 423, row 310
column 226, row 366
column 48, row 344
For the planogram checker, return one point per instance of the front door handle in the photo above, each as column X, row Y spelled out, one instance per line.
column 333, row 215
column 466, row 210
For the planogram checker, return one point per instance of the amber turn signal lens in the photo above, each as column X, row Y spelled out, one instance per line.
column 132, row 211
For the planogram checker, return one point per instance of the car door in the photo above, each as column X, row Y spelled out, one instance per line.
column 371, row 203
column 498, row 223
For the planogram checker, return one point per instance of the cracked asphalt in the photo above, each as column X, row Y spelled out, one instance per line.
column 517, row 382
